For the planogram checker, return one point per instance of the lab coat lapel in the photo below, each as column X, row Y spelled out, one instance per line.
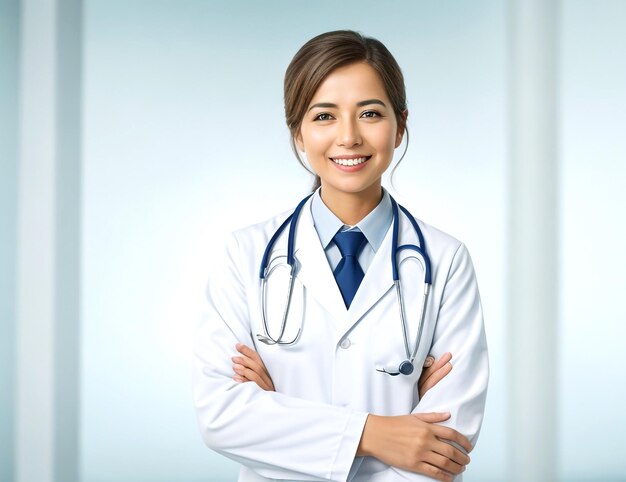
column 378, row 279
column 313, row 269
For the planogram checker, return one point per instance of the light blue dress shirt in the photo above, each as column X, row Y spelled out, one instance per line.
column 374, row 226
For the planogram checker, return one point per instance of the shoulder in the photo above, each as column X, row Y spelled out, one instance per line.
column 243, row 250
column 260, row 232
column 437, row 241
column 439, row 237
column 245, row 246
column 446, row 252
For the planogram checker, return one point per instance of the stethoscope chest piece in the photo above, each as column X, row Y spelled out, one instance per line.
column 406, row 367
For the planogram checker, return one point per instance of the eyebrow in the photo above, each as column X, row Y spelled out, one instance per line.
column 328, row 105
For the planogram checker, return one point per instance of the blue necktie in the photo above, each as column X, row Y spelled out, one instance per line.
column 348, row 272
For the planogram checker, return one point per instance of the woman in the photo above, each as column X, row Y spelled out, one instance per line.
column 340, row 410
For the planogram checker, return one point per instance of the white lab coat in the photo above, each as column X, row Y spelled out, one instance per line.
column 326, row 384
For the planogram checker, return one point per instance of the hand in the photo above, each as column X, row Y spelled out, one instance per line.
column 433, row 373
column 415, row 443
column 249, row 367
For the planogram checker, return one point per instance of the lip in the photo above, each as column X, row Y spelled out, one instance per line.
column 356, row 168
column 349, row 156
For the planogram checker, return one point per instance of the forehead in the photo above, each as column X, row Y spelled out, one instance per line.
column 351, row 82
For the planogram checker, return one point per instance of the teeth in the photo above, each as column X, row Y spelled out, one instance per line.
column 350, row 162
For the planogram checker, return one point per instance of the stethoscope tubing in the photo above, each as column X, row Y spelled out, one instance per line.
column 406, row 367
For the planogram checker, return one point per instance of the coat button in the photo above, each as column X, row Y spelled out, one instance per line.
column 345, row 343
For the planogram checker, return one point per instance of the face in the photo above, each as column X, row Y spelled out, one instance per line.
column 350, row 131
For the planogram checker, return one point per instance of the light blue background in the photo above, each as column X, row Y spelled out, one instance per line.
column 184, row 141
column 592, row 384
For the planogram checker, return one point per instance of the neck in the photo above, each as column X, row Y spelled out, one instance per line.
column 349, row 207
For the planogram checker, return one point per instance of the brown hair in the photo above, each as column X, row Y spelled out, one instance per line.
column 319, row 57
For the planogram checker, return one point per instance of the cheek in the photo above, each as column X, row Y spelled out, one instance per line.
column 315, row 140
column 384, row 139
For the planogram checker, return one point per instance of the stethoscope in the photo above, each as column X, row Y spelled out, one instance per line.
column 407, row 366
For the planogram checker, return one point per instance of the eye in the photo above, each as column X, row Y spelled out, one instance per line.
column 322, row 117
column 370, row 114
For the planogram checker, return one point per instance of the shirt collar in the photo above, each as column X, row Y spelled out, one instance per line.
column 374, row 226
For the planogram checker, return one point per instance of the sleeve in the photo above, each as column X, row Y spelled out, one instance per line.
column 277, row 436
column 460, row 331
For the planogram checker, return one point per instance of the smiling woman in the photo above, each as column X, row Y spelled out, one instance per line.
column 349, row 134
column 328, row 388
column 313, row 59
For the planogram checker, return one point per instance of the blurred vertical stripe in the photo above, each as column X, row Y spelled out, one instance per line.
column 533, row 221
column 68, row 250
column 9, row 47
column 47, row 337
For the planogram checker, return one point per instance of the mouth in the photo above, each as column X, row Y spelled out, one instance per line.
column 350, row 160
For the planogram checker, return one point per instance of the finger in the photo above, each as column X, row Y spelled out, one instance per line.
column 250, row 375
column 247, row 374
column 252, row 364
column 429, row 361
column 249, row 352
column 248, row 362
column 436, row 377
column 433, row 417
column 433, row 472
column 445, row 358
column 246, row 351
column 263, row 381
column 452, row 453
column 447, row 433
column 240, row 379
column 444, row 463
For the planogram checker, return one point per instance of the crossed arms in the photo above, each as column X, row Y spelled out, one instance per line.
column 412, row 442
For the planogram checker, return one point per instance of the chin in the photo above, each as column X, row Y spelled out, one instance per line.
column 351, row 187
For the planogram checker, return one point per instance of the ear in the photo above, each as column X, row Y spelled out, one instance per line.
column 298, row 140
column 401, row 127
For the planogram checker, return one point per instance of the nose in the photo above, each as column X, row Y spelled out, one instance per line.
column 348, row 134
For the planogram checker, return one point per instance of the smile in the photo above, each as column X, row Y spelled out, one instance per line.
column 350, row 162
